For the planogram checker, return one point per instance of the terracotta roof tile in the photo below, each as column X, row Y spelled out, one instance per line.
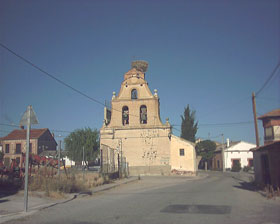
column 274, row 113
column 21, row 134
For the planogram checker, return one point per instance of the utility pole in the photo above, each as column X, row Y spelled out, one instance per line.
column 59, row 150
column 28, row 118
column 27, row 160
column 121, row 158
column 255, row 119
column 83, row 163
column 223, row 152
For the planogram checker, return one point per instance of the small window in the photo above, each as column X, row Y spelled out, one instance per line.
column 268, row 133
column 30, row 147
column 218, row 164
column 18, row 148
column 134, row 94
column 143, row 114
column 7, row 148
column 182, row 152
column 250, row 163
column 125, row 115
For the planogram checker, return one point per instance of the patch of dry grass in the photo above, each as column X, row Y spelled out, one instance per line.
column 271, row 192
column 56, row 188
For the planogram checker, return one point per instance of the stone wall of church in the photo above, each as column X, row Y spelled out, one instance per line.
column 142, row 147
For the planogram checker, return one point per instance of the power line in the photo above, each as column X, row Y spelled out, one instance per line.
column 222, row 124
column 56, row 79
column 269, row 78
column 49, row 75
column 17, row 126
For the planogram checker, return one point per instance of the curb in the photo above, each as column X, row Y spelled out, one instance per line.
column 32, row 210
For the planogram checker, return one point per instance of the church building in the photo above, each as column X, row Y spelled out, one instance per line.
column 132, row 129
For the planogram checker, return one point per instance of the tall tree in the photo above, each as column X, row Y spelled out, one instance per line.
column 87, row 138
column 205, row 149
column 188, row 125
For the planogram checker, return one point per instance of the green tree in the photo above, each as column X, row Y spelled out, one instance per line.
column 236, row 166
column 205, row 149
column 188, row 125
column 75, row 141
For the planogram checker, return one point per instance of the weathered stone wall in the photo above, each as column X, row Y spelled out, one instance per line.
column 141, row 147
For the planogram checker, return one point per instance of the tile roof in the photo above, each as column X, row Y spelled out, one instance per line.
column 21, row 134
column 263, row 147
column 274, row 113
column 220, row 147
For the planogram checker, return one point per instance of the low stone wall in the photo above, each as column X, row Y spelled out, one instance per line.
column 150, row 170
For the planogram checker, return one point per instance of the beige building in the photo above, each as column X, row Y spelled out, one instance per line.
column 132, row 128
column 14, row 144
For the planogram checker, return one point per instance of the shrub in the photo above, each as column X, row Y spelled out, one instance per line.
column 246, row 168
column 236, row 167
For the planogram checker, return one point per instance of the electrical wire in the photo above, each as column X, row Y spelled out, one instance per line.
column 222, row 124
column 56, row 79
column 17, row 126
column 268, row 79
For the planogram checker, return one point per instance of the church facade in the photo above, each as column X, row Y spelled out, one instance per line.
column 133, row 128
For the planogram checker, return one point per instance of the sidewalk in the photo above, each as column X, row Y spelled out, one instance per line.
column 11, row 207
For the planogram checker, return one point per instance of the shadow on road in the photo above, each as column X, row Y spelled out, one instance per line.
column 4, row 200
column 8, row 189
column 245, row 185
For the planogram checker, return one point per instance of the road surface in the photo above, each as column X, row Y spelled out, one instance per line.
column 219, row 198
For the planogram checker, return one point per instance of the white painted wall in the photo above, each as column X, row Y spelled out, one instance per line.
column 68, row 162
column 239, row 151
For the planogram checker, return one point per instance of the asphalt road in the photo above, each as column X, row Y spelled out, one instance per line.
column 219, row 198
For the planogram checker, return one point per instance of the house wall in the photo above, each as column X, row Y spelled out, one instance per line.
column 271, row 174
column 217, row 161
column 238, row 151
column 276, row 131
column 186, row 162
column 46, row 142
column 12, row 149
column 258, row 167
column 274, row 165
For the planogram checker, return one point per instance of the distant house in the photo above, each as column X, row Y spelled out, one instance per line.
column 234, row 152
column 41, row 140
column 267, row 157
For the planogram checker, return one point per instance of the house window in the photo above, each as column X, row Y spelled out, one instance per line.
column 218, row 164
column 30, row 147
column 235, row 162
column 7, row 148
column 268, row 133
column 143, row 114
column 250, row 163
column 182, row 152
column 134, row 94
column 18, row 148
column 125, row 115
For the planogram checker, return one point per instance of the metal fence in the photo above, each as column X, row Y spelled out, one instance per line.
column 112, row 161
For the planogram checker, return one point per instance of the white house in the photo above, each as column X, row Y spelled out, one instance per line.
column 238, row 151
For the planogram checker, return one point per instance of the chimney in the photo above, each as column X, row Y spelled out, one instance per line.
column 52, row 134
column 227, row 142
column 22, row 127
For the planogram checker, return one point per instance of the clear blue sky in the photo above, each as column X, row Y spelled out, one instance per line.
column 209, row 54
